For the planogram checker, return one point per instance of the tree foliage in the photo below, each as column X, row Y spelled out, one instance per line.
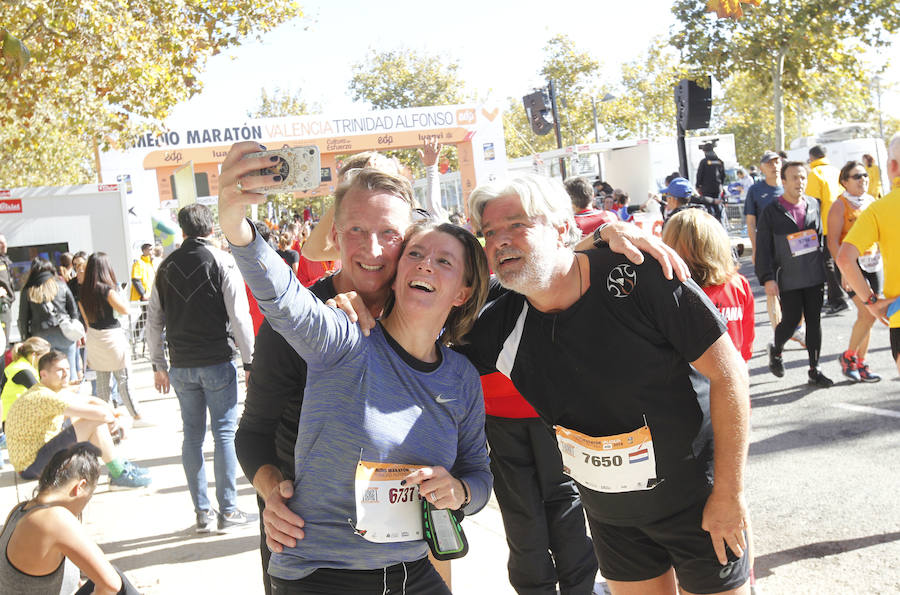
column 742, row 112
column 105, row 70
column 645, row 102
column 404, row 78
column 279, row 103
column 45, row 156
column 796, row 49
column 575, row 74
column 642, row 103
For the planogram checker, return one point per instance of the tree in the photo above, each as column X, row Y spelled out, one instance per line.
column 280, row 103
column 642, row 105
column 107, row 70
column 45, row 156
column 575, row 75
column 402, row 78
column 787, row 47
column 645, row 106
column 753, row 125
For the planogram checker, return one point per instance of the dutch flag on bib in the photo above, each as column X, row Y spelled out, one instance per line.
column 638, row 456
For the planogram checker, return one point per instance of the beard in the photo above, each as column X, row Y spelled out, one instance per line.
column 535, row 272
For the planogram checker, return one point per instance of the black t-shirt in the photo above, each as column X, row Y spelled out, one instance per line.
column 291, row 257
column 617, row 356
column 268, row 428
column 108, row 319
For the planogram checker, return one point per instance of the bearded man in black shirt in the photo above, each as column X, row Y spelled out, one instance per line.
column 637, row 440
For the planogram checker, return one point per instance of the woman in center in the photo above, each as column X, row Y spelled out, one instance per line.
column 387, row 418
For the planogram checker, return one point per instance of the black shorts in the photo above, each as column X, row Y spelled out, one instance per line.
column 646, row 552
column 418, row 577
column 895, row 343
column 61, row 441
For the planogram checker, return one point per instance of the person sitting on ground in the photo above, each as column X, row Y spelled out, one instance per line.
column 47, row 419
column 22, row 374
column 844, row 212
column 43, row 543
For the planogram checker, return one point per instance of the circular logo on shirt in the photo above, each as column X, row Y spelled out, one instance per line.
column 621, row 281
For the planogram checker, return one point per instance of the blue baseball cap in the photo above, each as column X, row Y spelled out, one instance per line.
column 679, row 188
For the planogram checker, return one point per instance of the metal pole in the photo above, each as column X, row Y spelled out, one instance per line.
column 562, row 160
column 597, row 140
column 878, row 92
column 682, row 153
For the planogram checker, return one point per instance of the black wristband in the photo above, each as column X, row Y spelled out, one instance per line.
column 467, row 498
column 599, row 242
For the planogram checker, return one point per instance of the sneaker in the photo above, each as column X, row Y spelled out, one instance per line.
column 230, row 521
column 819, row 380
column 849, row 367
column 776, row 364
column 139, row 471
column 130, row 478
column 836, row 308
column 865, row 374
column 800, row 336
column 205, row 520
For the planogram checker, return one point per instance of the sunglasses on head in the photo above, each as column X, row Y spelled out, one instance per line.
column 859, row 176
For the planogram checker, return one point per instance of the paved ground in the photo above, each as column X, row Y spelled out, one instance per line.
column 822, row 483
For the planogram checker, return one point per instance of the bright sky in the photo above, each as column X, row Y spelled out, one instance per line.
column 498, row 45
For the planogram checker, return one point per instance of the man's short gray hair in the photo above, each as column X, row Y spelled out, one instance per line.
column 541, row 197
column 894, row 147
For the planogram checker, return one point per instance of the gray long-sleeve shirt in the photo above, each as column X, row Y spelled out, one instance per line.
column 365, row 400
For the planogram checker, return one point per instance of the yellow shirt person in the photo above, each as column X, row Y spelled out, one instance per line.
column 823, row 184
column 878, row 223
column 142, row 275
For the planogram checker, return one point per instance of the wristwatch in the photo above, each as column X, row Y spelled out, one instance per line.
column 873, row 299
column 599, row 242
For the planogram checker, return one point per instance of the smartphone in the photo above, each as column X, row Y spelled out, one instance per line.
column 443, row 532
column 299, row 168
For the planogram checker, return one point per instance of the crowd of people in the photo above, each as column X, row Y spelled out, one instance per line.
column 789, row 214
column 386, row 350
